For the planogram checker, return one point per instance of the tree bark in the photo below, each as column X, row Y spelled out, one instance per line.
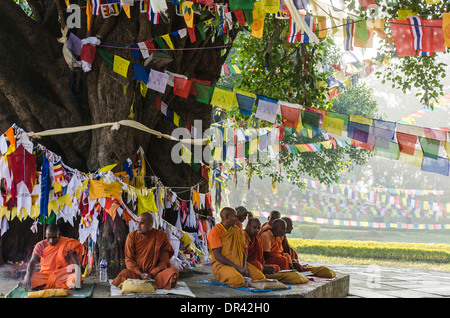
column 38, row 91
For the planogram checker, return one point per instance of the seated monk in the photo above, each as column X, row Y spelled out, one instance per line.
column 59, row 258
column 271, row 238
column 147, row 255
column 226, row 243
column 273, row 215
column 254, row 248
column 241, row 214
column 319, row 271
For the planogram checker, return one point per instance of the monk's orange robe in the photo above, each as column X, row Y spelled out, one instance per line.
column 232, row 242
column 254, row 252
column 289, row 250
column 274, row 246
column 149, row 254
column 55, row 265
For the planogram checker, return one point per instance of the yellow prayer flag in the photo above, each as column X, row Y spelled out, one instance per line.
column 258, row 20
column 447, row 149
column 403, row 14
column 321, row 23
column 99, row 189
column 218, row 153
column 166, row 38
column 53, row 206
column 415, row 160
column 361, row 119
column 332, row 125
column 222, row 98
column 88, row 14
column 188, row 12
column 107, row 168
column 35, row 211
column 236, row 69
column 127, row 11
column 120, row 66
column 147, row 203
column 446, row 27
column 176, row 119
column 186, row 155
column 143, row 88
column 432, row 1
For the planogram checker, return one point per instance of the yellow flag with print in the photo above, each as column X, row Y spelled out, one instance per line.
column 120, row 65
column 446, row 28
column 222, row 98
column 258, row 20
column 146, row 203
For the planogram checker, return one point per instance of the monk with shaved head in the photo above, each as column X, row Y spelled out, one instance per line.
column 226, row 243
column 147, row 255
column 58, row 257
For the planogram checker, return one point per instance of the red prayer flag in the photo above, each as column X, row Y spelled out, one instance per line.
column 403, row 37
column 181, row 86
column 290, row 115
column 88, row 53
column 406, row 143
column 433, row 36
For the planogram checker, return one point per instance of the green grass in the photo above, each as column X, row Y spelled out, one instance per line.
column 321, row 259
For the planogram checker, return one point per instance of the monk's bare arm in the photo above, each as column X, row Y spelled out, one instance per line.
column 30, row 269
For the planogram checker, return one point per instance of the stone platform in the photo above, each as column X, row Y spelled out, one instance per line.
column 319, row 288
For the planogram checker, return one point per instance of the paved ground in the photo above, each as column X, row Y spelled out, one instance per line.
column 395, row 282
column 369, row 282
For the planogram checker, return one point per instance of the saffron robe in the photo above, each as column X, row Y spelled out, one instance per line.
column 149, row 254
column 55, row 271
column 273, row 245
column 254, row 252
column 232, row 242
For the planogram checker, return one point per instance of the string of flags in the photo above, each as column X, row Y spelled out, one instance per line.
column 354, row 223
column 58, row 192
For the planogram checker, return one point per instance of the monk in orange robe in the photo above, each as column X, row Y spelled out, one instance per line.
column 60, row 260
column 271, row 238
column 147, row 255
column 254, row 248
column 226, row 243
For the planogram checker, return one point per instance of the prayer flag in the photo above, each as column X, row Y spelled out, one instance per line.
column 166, row 38
column 120, row 66
column 222, row 98
column 446, row 27
column 245, row 101
column 361, row 32
column 181, row 86
column 333, row 125
column 414, row 159
column 406, row 143
column 297, row 34
column 436, row 165
column 321, row 28
column 87, row 56
column 430, row 147
column 157, row 81
column 416, row 30
column 290, row 114
column 382, row 133
column 403, row 38
column 433, row 36
column 241, row 4
column 140, row 73
column 258, row 20
column 311, row 120
column 349, row 33
column 202, row 90
column 267, row 109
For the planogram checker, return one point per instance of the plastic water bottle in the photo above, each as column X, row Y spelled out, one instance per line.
column 103, row 271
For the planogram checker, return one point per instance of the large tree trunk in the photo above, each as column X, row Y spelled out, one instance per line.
column 38, row 91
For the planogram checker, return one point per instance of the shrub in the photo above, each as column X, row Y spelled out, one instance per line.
column 306, row 231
